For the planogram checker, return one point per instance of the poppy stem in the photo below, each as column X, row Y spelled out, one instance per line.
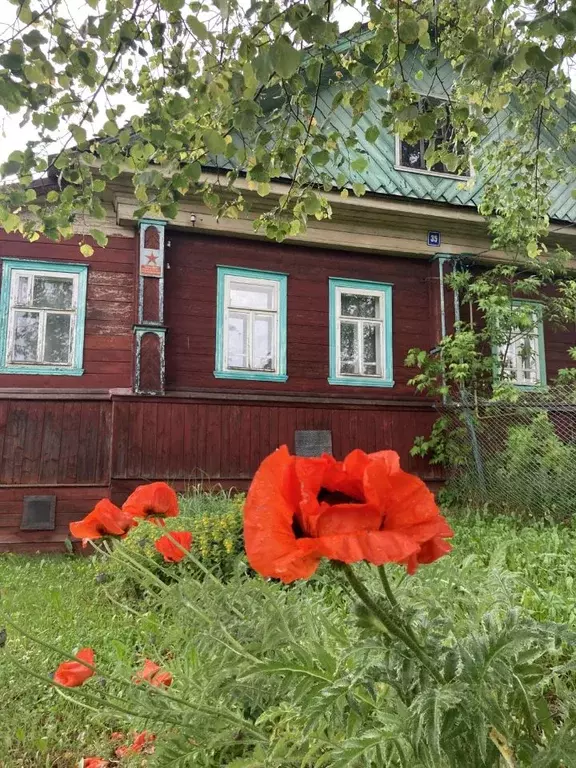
column 387, row 588
column 393, row 602
column 389, row 623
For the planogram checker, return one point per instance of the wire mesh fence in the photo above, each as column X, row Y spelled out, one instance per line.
column 518, row 455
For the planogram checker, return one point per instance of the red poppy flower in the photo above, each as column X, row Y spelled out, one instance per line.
column 151, row 673
column 299, row 510
column 172, row 552
column 106, row 519
column 155, row 500
column 73, row 673
column 95, row 762
column 142, row 743
column 117, row 736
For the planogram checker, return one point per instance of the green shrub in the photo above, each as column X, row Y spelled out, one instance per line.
column 532, row 474
column 215, row 521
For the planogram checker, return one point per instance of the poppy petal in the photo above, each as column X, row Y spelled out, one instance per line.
column 152, row 500
column 347, row 518
column 106, row 519
column 71, row 674
column 95, row 762
column 269, row 511
column 173, row 546
column 377, row 547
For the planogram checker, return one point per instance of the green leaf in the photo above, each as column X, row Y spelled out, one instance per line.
column 110, row 128
column 171, row 5
column 78, row 133
column 372, row 133
column 197, row 28
column 52, row 196
column 320, row 158
column 359, row 189
column 215, row 143
column 98, row 185
column 409, row 31
column 51, row 121
column 86, row 250
column 359, row 164
column 285, row 58
column 99, row 237
column 537, row 59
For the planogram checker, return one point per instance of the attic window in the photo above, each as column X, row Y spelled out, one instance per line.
column 412, row 156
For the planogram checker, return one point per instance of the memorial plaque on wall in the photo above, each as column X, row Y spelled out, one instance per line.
column 39, row 513
column 313, row 442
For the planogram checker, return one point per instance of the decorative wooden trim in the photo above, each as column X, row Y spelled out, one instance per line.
column 151, row 269
column 284, row 398
column 140, row 331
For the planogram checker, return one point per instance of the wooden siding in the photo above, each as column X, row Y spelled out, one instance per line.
column 226, row 440
column 71, row 504
column 190, row 303
column 44, row 442
column 110, row 313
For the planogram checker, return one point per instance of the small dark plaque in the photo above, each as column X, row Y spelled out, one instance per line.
column 39, row 513
column 313, row 442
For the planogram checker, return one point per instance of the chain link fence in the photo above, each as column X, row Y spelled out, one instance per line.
column 519, row 456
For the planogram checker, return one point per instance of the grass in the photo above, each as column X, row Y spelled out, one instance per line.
column 59, row 601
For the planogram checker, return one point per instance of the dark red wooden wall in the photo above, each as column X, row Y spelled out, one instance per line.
column 191, row 311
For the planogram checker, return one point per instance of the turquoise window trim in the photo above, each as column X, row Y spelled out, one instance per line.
column 541, row 350
column 220, row 371
column 361, row 381
column 81, row 270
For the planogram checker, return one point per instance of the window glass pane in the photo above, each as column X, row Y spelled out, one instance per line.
column 371, row 341
column 57, row 342
column 263, row 342
column 412, row 155
column 252, row 295
column 25, row 347
column 53, row 292
column 349, row 348
column 237, row 340
column 22, row 291
column 358, row 305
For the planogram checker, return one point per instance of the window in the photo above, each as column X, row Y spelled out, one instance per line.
column 251, row 325
column 42, row 311
column 360, row 333
column 412, row 156
column 521, row 356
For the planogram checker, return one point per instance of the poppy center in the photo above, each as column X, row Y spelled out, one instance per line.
column 336, row 497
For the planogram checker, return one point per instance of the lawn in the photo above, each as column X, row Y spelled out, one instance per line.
column 60, row 602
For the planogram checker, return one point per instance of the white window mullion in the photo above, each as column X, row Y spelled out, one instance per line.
column 41, row 335
column 361, row 347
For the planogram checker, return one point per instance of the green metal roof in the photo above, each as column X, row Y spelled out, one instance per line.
column 384, row 177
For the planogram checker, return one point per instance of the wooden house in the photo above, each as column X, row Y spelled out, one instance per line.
column 187, row 350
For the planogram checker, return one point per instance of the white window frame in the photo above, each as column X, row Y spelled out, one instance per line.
column 248, row 277
column 252, row 314
column 383, row 291
column 12, row 271
column 517, row 339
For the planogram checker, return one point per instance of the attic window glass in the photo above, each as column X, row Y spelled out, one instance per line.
column 43, row 304
column 251, row 324
column 413, row 156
